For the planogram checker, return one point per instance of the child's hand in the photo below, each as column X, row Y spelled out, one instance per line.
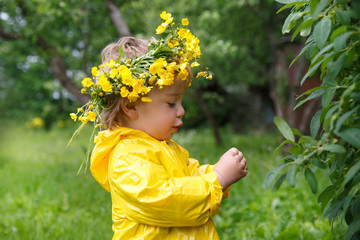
column 231, row 167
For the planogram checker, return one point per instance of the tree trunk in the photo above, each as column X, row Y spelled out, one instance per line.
column 59, row 68
column 117, row 19
column 209, row 116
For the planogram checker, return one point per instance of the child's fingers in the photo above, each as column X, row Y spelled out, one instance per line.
column 242, row 164
column 233, row 151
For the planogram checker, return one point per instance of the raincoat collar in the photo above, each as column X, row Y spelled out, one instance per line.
column 102, row 151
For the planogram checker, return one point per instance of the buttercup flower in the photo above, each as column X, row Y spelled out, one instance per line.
column 124, row 92
column 95, row 71
column 160, row 29
column 201, row 74
column 105, row 84
column 86, row 82
column 173, row 42
column 73, row 116
column 185, row 22
column 183, row 32
column 91, row 116
column 166, row 16
column 194, row 64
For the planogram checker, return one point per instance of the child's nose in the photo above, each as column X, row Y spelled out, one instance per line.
column 181, row 111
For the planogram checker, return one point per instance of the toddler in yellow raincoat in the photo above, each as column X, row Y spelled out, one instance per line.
column 157, row 191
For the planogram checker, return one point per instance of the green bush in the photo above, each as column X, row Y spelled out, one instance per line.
column 332, row 28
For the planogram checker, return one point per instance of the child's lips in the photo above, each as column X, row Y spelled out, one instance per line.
column 176, row 128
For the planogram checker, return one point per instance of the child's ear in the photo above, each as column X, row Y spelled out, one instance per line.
column 129, row 108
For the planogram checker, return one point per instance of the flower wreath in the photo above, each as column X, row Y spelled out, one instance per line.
column 134, row 78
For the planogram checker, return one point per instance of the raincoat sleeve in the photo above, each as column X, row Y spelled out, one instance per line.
column 197, row 169
column 147, row 194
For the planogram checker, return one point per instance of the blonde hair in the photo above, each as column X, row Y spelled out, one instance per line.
column 113, row 115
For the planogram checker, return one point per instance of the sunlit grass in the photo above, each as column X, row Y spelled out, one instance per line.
column 42, row 197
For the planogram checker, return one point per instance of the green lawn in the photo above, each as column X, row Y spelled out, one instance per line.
column 42, row 197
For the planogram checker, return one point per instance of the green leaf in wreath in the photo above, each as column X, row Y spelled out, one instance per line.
column 122, row 54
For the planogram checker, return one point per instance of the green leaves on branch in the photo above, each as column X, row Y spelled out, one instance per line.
column 311, row 180
column 284, row 128
column 333, row 49
column 322, row 31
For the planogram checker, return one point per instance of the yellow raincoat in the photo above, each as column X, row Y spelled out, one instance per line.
column 157, row 191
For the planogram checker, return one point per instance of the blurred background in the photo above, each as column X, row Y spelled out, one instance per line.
column 48, row 46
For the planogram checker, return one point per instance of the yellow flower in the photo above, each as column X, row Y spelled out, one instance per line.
column 146, row 99
column 166, row 78
column 166, row 16
column 37, row 122
column 195, row 64
column 124, row 92
column 105, row 84
column 111, row 64
column 80, row 110
column 157, row 66
column 107, row 87
column 86, row 82
column 83, row 120
column 172, row 42
column 91, row 116
column 73, row 116
column 128, row 80
column 124, row 71
column 171, row 67
column 95, row 71
column 183, row 74
column 201, row 74
column 152, row 80
column 183, row 66
column 133, row 96
column 114, row 72
column 138, row 88
column 160, row 29
column 183, row 32
column 185, row 22
column 209, row 77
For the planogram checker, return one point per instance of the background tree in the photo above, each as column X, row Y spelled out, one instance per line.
column 332, row 29
column 59, row 41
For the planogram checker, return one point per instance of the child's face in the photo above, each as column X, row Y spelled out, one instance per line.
column 161, row 118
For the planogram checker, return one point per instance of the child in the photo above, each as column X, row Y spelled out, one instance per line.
column 157, row 191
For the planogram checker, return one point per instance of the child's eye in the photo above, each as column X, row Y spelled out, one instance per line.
column 171, row 104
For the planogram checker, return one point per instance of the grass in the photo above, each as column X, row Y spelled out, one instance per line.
column 42, row 197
